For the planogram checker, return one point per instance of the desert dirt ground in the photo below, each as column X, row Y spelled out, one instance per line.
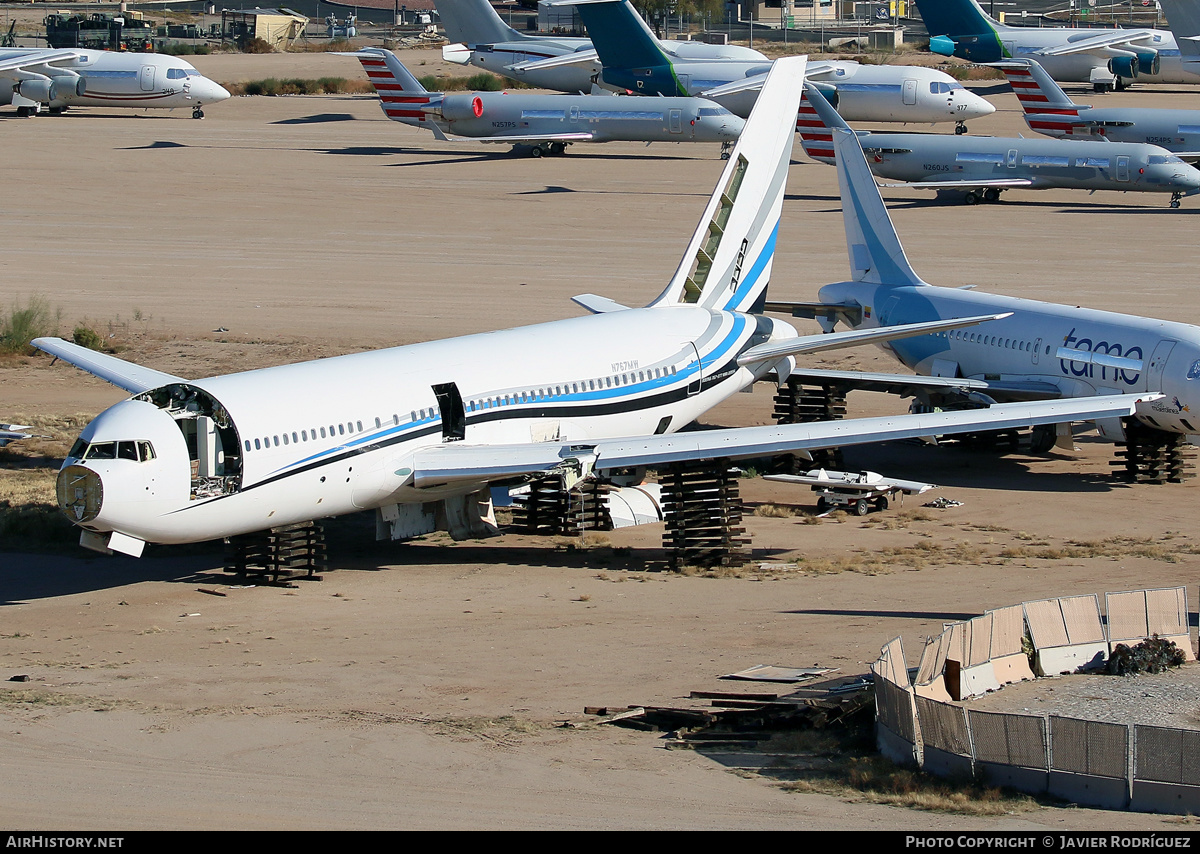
column 419, row 686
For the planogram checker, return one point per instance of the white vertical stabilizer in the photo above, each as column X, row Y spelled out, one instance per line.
column 876, row 255
column 727, row 264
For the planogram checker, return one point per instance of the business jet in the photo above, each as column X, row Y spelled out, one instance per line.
column 55, row 79
column 1039, row 350
column 633, row 61
column 1051, row 112
column 400, row 429
column 479, row 37
column 549, row 123
column 982, row 167
column 1107, row 59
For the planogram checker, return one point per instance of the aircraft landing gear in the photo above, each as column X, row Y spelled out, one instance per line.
column 197, row 113
column 536, row 151
column 1175, row 199
column 558, row 148
column 991, row 195
column 972, row 198
column 960, row 128
column 726, row 149
column 26, row 112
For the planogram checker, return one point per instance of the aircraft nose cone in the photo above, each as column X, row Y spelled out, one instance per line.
column 213, row 92
column 977, row 106
column 80, row 493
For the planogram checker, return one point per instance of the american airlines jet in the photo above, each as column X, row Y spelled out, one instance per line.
column 55, row 79
column 435, row 423
column 1039, row 350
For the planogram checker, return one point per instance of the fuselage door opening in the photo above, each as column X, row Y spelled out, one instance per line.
column 454, row 415
column 214, row 447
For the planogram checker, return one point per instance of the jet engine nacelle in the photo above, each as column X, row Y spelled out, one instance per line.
column 461, row 107
column 828, row 91
column 46, row 90
column 1148, row 62
column 1124, row 66
column 943, row 45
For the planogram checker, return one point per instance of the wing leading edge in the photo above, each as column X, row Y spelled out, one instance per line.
column 126, row 375
column 458, row 463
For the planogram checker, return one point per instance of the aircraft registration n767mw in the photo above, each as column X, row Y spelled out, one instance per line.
column 594, row 396
column 1038, row 351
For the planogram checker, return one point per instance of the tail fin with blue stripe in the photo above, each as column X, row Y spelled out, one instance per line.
column 727, row 264
column 876, row 255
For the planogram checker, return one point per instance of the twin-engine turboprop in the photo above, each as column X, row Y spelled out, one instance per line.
column 547, row 122
column 1037, row 351
column 588, row 397
column 55, row 79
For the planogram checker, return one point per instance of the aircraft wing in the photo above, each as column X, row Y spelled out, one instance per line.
column 1091, row 44
column 457, row 462
column 34, row 59
column 133, row 378
column 814, row 71
column 532, row 137
column 13, row 432
column 850, row 482
column 803, row 344
column 964, row 183
column 850, row 312
column 905, row 385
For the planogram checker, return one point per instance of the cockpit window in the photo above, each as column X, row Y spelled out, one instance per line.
column 181, row 73
column 1156, row 159
column 939, row 87
column 139, row 451
column 714, row 111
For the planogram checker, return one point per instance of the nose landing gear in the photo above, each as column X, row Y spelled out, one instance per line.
column 960, row 128
column 1175, row 199
column 197, row 113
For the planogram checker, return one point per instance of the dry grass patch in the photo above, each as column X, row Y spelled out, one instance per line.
column 1110, row 547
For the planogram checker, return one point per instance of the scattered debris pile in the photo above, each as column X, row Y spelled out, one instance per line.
column 1153, row 655
column 745, row 720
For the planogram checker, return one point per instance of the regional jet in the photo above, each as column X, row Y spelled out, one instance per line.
column 13, row 433
column 1107, row 59
column 55, row 79
column 981, row 167
column 1049, row 111
column 481, row 38
column 434, row 424
column 1039, row 351
column 549, row 123
column 634, row 62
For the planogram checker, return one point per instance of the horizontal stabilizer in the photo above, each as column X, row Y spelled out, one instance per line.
column 581, row 58
column 597, row 304
column 133, row 378
column 774, row 350
column 851, row 313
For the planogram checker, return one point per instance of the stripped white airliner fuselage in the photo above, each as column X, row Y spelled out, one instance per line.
column 349, row 448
